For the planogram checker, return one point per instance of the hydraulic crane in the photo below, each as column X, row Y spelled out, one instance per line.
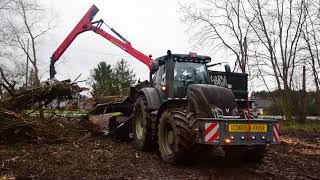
column 183, row 104
column 87, row 24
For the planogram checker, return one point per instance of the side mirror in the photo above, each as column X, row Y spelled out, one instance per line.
column 227, row 68
column 155, row 66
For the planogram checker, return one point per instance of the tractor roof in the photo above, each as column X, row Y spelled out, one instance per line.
column 185, row 58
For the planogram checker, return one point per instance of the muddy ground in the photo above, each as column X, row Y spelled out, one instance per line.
column 82, row 155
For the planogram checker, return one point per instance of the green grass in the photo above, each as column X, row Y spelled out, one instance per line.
column 78, row 112
column 308, row 125
column 116, row 114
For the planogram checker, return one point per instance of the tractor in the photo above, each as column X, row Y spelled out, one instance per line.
column 183, row 104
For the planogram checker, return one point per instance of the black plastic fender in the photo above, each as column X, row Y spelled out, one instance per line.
column 171, row 103
column 153, row 97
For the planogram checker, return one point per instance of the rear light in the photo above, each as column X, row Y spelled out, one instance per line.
column 196, row 132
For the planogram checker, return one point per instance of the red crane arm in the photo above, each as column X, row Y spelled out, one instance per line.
column 126, row 46
column 82, row 26
column 86, row 24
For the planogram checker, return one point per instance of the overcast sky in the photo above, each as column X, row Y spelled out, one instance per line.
column 152, row 27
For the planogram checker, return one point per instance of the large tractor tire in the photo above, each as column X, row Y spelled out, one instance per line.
column 175, row 137
column 144, row 126
column 251, row 154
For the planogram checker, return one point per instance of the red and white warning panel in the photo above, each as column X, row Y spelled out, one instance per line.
column 276, row 133
column 211, row 132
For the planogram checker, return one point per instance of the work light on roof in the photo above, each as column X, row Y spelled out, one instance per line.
column 192, row 54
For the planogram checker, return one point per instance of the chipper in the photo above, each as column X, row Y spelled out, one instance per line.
column 183, row 104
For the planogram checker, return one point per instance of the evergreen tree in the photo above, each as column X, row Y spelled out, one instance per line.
column 103, row 80
column 108, row 82
column 124, row 76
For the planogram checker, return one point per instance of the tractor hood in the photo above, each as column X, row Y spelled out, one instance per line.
column 211, row 101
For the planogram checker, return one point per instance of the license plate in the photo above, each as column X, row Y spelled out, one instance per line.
column 245, row 128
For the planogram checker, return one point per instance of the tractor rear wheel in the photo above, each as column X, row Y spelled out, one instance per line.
column 143, row 126
column 175, row 137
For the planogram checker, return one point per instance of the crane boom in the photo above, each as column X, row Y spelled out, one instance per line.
column 86, row 24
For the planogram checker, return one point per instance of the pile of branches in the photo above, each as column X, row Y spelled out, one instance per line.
column 16, row 126
column 43, row 95
column 13, row 126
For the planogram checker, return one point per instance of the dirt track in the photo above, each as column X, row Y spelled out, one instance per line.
column 83, row 156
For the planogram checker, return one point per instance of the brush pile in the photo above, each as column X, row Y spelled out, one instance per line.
column 16, row 125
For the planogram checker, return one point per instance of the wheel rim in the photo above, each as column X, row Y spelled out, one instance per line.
column 168, row 139
column 138, row 124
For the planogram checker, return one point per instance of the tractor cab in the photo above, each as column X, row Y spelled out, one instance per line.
column 178, row 71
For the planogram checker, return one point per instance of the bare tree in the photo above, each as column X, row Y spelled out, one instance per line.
column 4, row 5
column 11, row 78
column 26, row 21
column 6, row 84
column 312, row 39
column 278, row 27
column 32, row 28
column 221, row 24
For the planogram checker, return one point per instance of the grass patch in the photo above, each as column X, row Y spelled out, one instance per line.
column 116, row 114
column 308, row 125
column 77, row 112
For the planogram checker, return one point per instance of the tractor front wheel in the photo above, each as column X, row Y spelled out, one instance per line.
column 144, row 129
column 175, row 136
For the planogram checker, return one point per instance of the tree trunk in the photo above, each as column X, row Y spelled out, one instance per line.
column 0, row 91
column 286, row 101
column 304, row 95
column 318, row 99
column 38, row 84
column 301, row 116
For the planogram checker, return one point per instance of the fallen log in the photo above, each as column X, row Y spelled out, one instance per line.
column 107, row 99
column 102, row 118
